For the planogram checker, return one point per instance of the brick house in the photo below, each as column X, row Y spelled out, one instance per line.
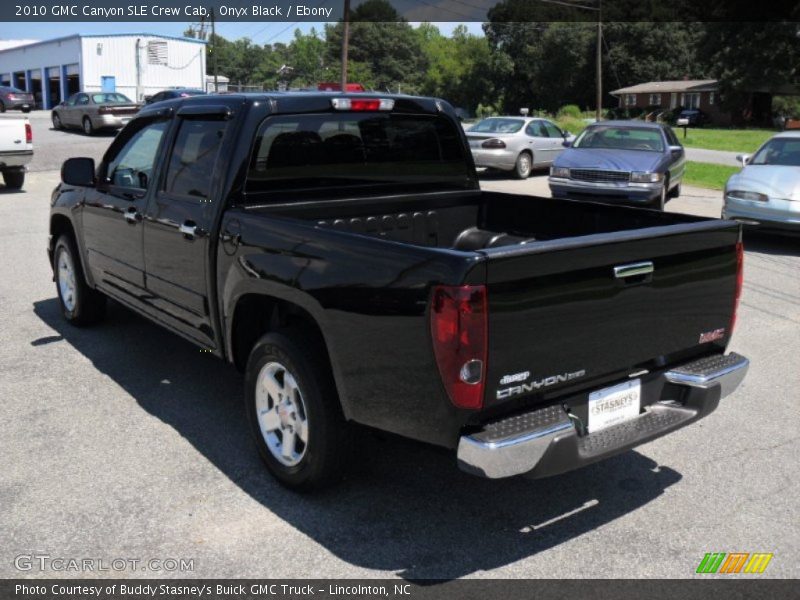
column 689, row 93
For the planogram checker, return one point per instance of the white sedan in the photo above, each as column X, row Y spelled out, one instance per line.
column 766, row 192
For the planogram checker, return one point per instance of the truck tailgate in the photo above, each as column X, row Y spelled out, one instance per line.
column 12, row 135
column 576, row 312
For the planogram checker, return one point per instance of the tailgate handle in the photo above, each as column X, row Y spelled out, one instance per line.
column 633, row 270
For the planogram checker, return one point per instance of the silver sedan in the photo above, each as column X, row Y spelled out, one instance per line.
column 766, row 192
column 516, row 144
column 91, row 111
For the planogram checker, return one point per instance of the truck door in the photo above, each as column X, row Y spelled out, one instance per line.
column 178, row 224
column 113, row 209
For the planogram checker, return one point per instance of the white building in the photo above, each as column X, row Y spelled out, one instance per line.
column 134, row 64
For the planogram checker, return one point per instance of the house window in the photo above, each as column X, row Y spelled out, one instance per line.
column 630, row 99
column 157, row 53
column 711, row 98
column 655, row 99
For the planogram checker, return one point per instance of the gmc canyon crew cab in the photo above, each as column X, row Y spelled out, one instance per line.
column 337, row 248
column 16, row 149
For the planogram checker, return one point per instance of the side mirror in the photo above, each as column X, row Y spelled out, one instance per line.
column 676, row 150
column 78, row 172
column 743, row 158
column 566, row 143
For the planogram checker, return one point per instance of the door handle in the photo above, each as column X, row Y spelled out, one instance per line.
column 633, row 270
column 189, row 229
column 131, row 215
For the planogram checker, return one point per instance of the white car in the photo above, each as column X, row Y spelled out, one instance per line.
column 516, row 144
column 16, row 149
column 766, row 192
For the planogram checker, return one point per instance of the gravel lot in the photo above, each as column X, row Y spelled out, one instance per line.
column 124, row 441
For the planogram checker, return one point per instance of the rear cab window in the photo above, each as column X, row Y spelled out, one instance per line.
column 193, row 158
column 356, row 153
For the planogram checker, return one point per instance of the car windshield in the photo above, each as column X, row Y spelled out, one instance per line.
column 621, row 138
column 783, row 152
column 495, row 125
column 110, row 99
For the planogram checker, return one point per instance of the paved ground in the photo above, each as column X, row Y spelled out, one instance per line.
column 124, row 441
column 52, row 146
column 720, row 157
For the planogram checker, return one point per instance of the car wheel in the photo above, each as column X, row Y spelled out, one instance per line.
column 88, row 128
column 661, row 200
column 26, row 110
column 80, row 304
column 14, row 179
column 57, row 121
column 522, row 169
column 293, row 410
column 2, row 107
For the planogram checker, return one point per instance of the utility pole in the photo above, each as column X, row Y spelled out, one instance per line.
column 345, row 41
column 214, row 50
column 599, row 114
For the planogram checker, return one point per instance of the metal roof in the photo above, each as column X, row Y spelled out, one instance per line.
column 103, row 35
column 660, row 87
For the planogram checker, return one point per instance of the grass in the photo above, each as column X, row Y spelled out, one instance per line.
column 733, row 140
column 707, row 175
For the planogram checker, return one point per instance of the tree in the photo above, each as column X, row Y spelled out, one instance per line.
column 383, row 42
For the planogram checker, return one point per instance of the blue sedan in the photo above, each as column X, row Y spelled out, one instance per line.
column 621, row 161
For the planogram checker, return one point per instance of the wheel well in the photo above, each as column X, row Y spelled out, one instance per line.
column 256, row 315
column 59, row 225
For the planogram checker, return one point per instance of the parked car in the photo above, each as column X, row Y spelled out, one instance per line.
column 171, row 94
column 766, row 192
column 694, row 117
column 338, row 249
column 516, row 144
column 16, row 149
column 621, row 161
column 91, row 111
column 12, row 98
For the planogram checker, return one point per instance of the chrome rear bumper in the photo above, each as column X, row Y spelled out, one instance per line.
column 545, row 442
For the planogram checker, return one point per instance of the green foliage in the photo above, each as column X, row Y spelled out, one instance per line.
column 485, row 110
column 571, row 124
column 570, row 110
column 746, row 141
column 708, row 175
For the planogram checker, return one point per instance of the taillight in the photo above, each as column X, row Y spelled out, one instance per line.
column 739, row 282
column 362, row 104
column 459, row 324
column 494, row 143
column 103, row 110
column 12, row 97
column 28, row 134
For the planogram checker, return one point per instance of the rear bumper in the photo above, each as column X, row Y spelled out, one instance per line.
column 110, row 121
column 545, row 442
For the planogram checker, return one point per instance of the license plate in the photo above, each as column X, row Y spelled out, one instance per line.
column 614, row 405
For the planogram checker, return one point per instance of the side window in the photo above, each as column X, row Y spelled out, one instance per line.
column 82, row 99
column 133, row 165
column 72, row 100
column 552, row 130
column 194, row 156
column 671, row 137
column 536, row 129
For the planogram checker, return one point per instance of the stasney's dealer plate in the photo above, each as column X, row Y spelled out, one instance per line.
column 614, row 405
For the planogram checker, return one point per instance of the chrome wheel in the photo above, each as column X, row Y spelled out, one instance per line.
column 66, row 280
column 87, row 126
column 281, row 414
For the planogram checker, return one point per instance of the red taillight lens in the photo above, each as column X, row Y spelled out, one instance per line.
column 494, row 143
column 459, row 324
column 12, row 96
column 28, row 133
column 739, row 282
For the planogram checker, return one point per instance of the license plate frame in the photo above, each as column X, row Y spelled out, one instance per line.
column 614, row 405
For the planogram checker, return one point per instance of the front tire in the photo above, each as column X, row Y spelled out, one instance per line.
column 14, row 180
column 57, row 124
column 293, row 410
column 675, row 192
column 80, row 304
column 88, row 128
column 523, row 166
column 661, row 200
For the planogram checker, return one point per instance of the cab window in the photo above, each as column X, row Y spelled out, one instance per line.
column 132, row 167
column 194, row 157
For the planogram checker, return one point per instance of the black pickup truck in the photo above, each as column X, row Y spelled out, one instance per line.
column 338, row 249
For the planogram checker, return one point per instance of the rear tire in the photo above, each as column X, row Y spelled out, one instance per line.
column 523, row 166
column 14, row 179
column 294, row 412
column 88, row 128
column 80, row 304
column 26, row 110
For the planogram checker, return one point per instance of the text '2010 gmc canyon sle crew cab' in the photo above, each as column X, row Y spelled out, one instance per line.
column 339, row 250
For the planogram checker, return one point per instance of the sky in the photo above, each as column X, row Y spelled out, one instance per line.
column 261, row 33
